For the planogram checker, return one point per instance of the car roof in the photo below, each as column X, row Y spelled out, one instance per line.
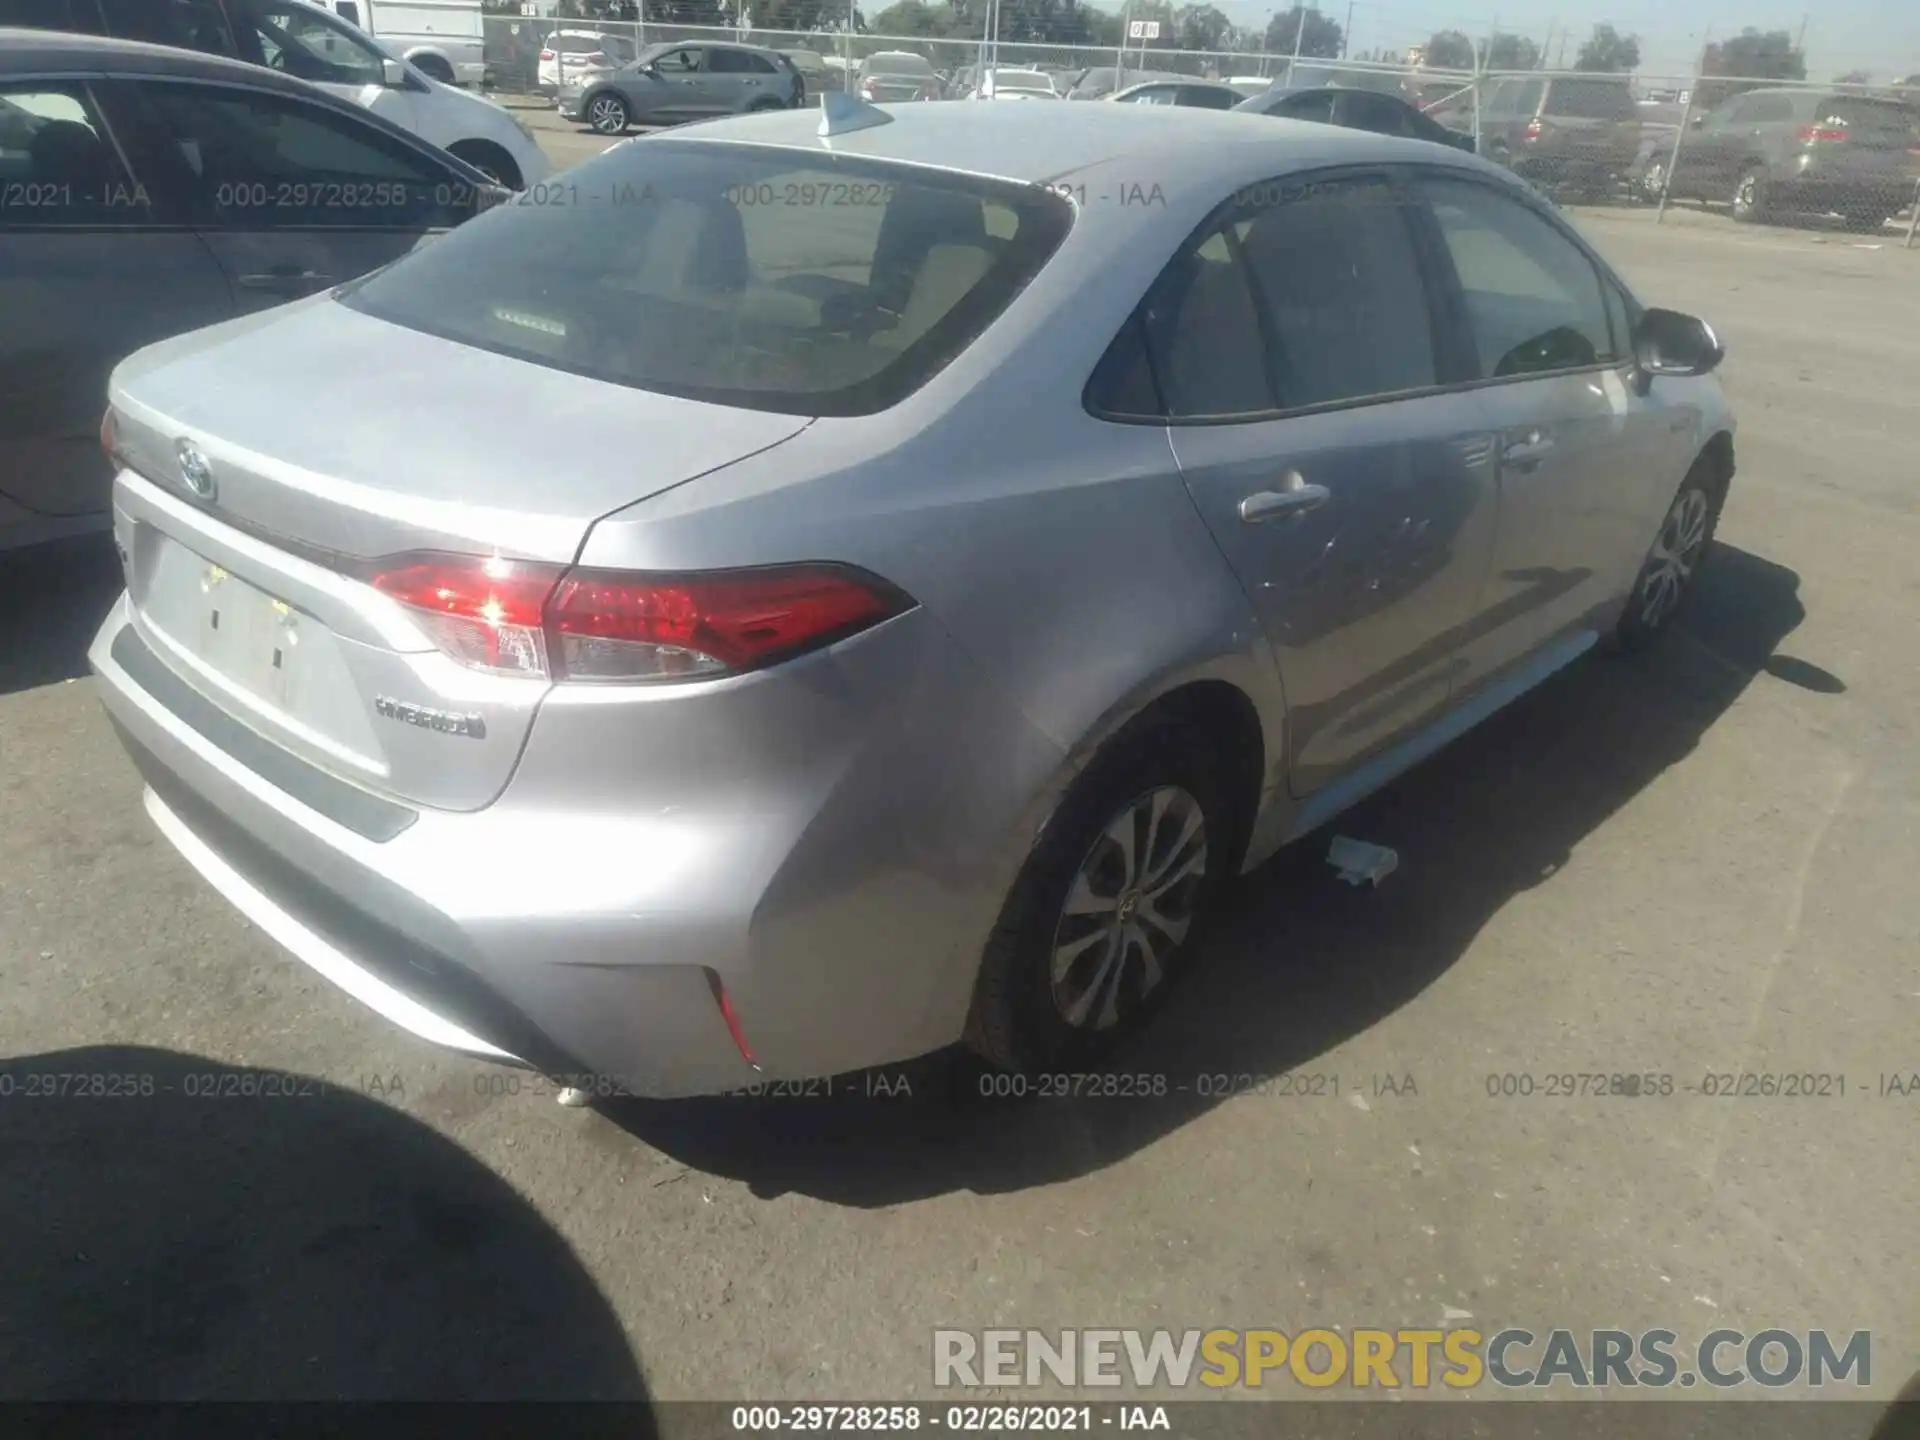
column 1170, row 146
column 42, row 52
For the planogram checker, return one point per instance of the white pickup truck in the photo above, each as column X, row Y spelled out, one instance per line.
column 443, row 39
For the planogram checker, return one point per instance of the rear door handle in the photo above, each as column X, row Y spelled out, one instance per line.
column 286, row 280
column 1295, row 497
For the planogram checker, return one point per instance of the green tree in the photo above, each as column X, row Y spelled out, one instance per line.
column 1450, row 50
column 1607, row 49
column 1202, row 27
column 1752, row 58
column 914, row 17
column 1318, row 36
column 1512, row 52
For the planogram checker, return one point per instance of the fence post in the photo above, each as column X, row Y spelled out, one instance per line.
column 1913, row 221
column 1479, row 69
column 1680, row 135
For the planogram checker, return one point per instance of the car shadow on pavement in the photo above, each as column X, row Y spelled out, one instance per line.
column 1297, row 962
column 174, row 1229
column 52, row 600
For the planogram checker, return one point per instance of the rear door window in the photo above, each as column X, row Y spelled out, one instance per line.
column 196, row 25
column 47, row 15
column 249, row 160
column 1592, row 100
column 745, row 275
column 1765, row 109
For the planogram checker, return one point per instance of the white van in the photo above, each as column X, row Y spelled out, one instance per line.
column 443, row 39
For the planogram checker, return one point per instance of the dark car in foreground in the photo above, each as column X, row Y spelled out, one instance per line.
column 671, row 83
column 145, row 191
column 1356, row 110
column 1783, row 150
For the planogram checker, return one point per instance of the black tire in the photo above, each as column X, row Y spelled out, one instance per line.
column 1651, row 607
column 1017, row 1022
column 607, row 113
column 768, row 104
column 1750, row 205
column 489, row 159
column 434, row 68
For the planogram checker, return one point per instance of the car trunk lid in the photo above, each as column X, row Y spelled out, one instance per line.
column 269, row 464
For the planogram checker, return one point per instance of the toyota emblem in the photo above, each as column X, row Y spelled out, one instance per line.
column 195, row 470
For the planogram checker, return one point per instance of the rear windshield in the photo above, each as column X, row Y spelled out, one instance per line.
column 897, row 65
column 585, row 44
column 751, row 276
column 1869, row 119
column 1592, row 100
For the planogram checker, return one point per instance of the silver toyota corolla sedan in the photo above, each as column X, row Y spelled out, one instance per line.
column 974, row 544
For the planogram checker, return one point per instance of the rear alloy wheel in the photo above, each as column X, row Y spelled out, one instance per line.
column 1102, row 915
column 1677, row 553
column 607, row 114
column 1653, row 182
column 1750, row 197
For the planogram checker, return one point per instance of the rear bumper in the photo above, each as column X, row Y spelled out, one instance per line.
column 844, row 909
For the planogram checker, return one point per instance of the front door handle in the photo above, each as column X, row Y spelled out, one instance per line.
column 1295, row 497
column 286, row 280
column 1526, row 452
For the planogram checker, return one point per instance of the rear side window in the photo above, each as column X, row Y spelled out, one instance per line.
column 1592, row 100
column 743, row 275
column 1763, row 108
column 738, row 62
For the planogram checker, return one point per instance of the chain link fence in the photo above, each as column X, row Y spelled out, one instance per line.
column 1763, row 151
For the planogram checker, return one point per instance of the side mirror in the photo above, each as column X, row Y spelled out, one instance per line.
column 393, row 75
column 1665, row 342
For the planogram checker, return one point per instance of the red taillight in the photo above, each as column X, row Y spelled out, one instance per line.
column 515, row 618
column 110, row 437
column 610, row 626
column 547, row 55
column 1818, row 132
column 598, row 57
column 1534, row 129
column 725, row 1002
column 485, row 612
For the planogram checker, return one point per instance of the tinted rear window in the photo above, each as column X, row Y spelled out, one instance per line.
column 1591, row 100
column 805, row 284
column 897, row 65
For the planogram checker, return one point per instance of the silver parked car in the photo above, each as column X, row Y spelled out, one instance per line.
column 672, row 83
column 791, row 726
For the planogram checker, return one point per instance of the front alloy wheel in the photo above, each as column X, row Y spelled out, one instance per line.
column 1130, row 905
column 607, row 115
column 1676, row 554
